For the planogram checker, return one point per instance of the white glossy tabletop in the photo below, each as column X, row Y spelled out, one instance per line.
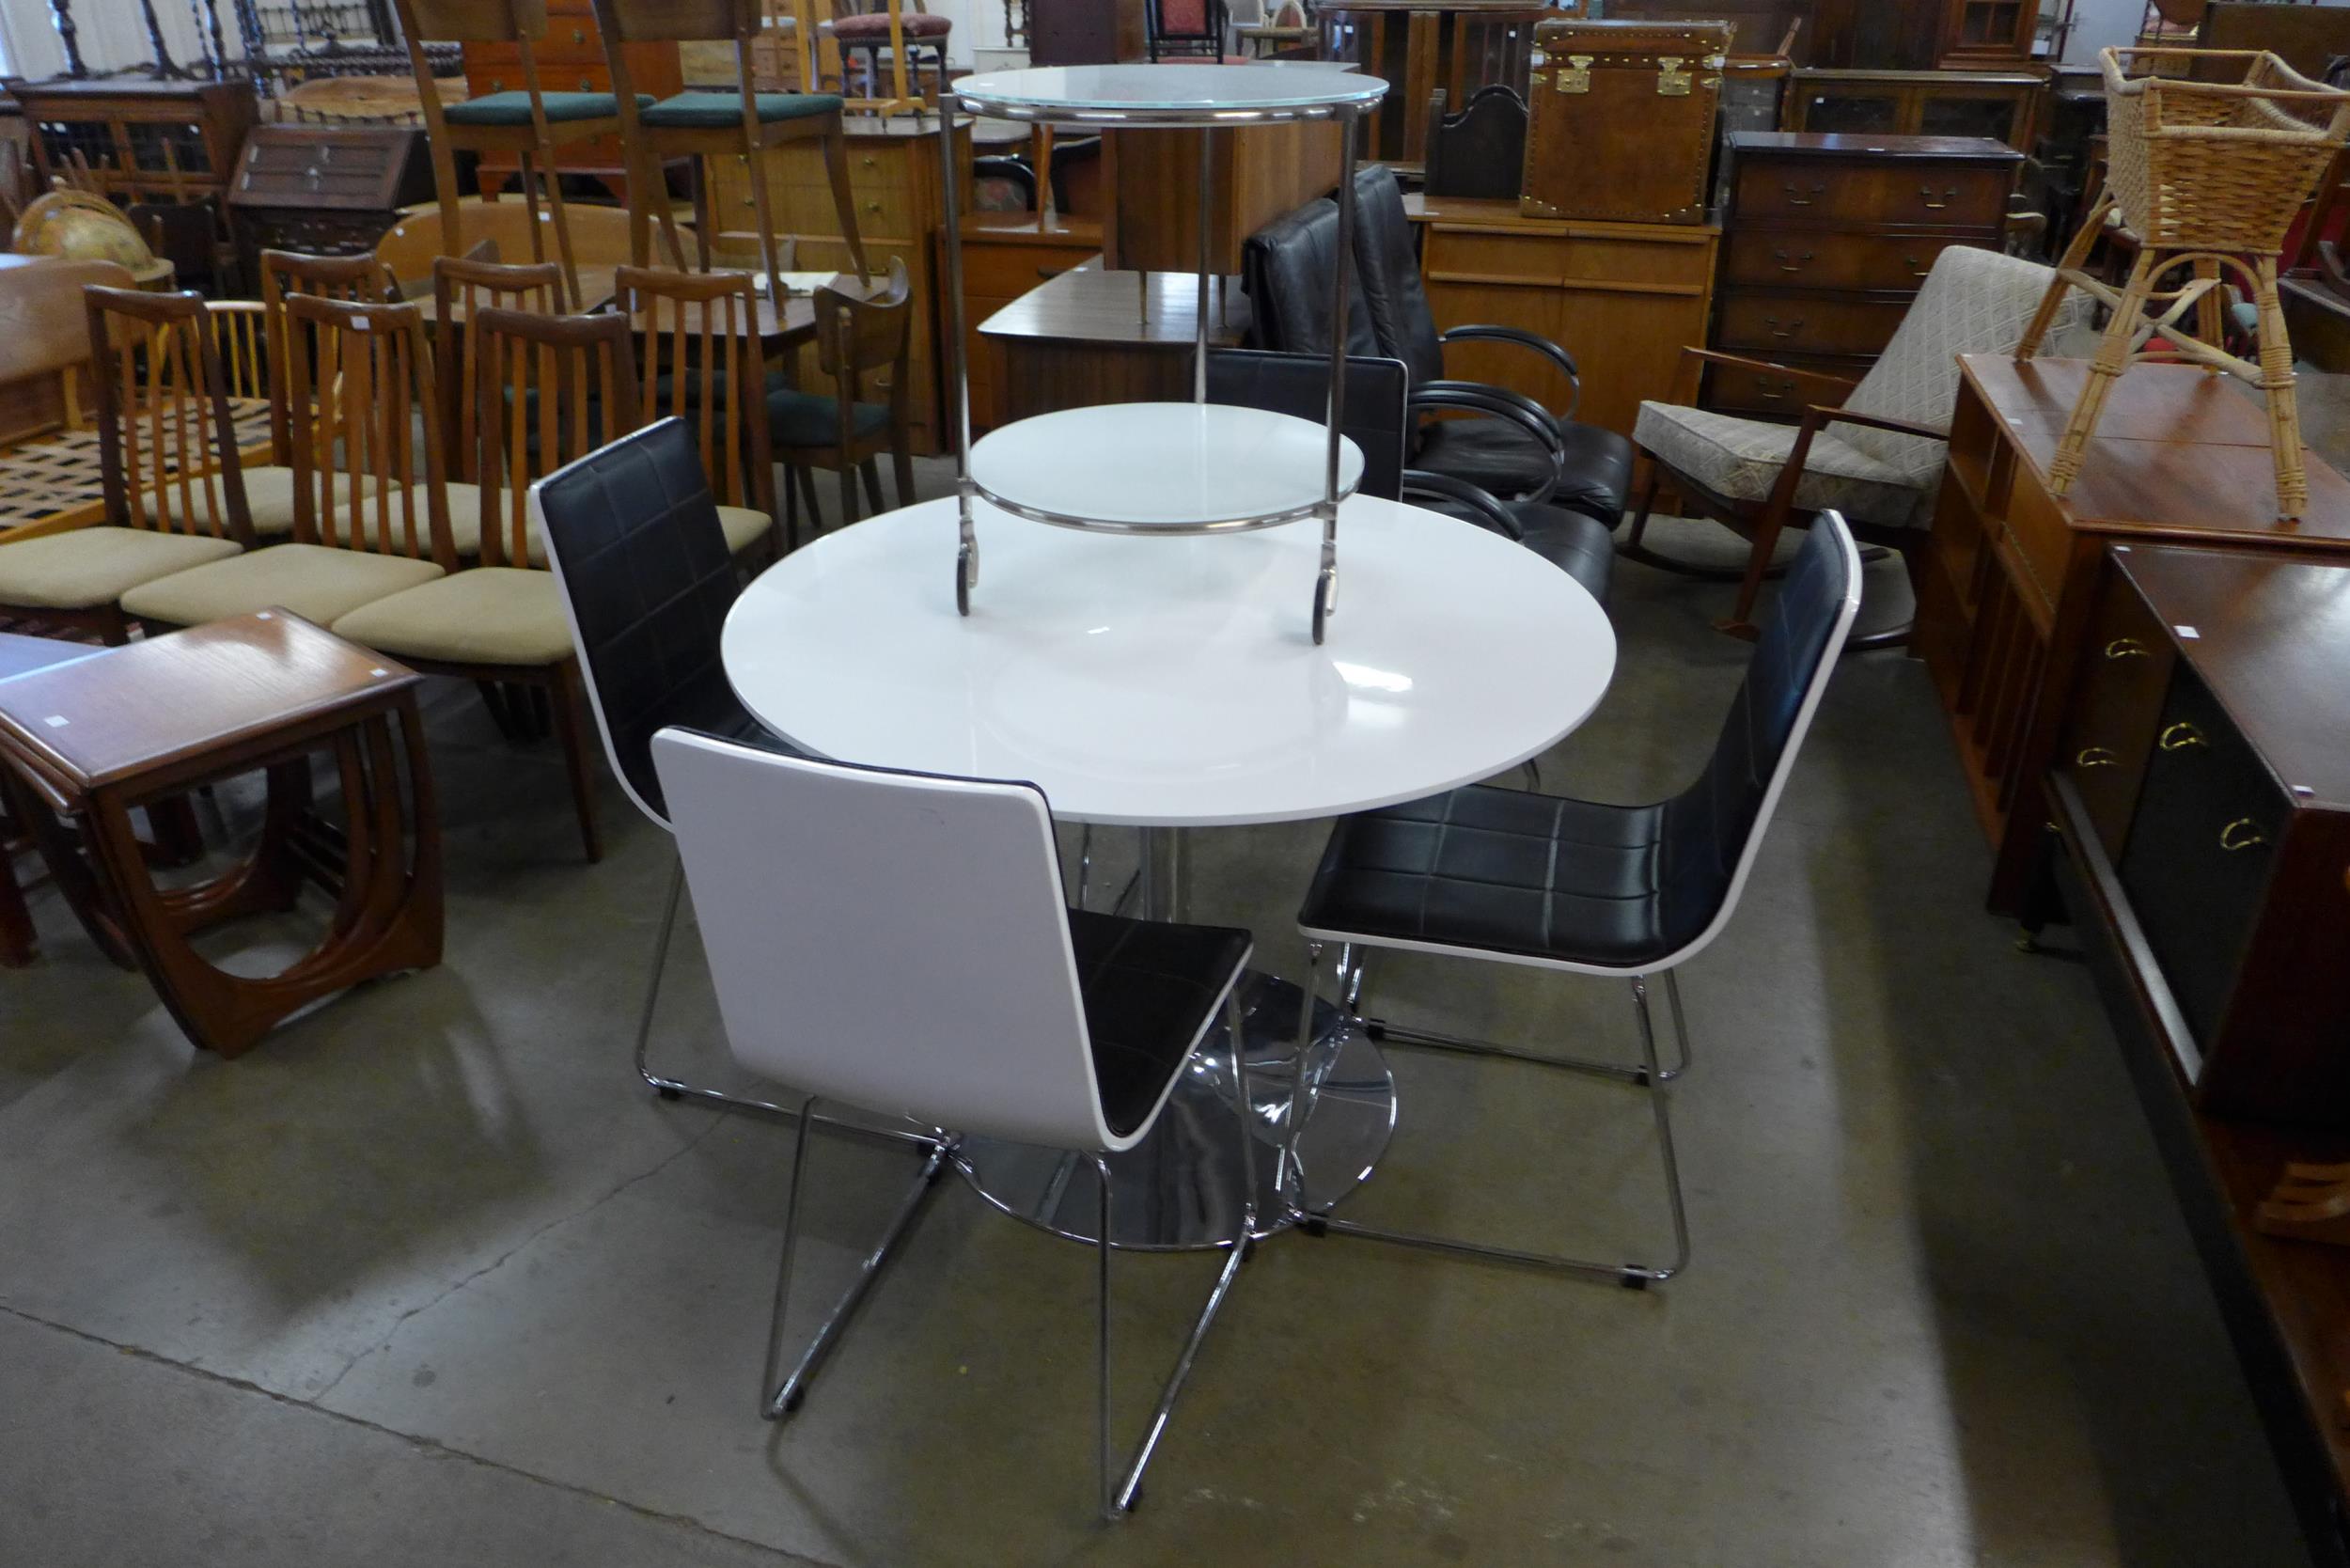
column 1142, row 465
column 1174, row 681
column 1181, row 89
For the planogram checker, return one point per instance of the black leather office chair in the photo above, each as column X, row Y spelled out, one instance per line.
column 1581, row 887
column 1377, row 419
column 633, row 533
column 1592, row 464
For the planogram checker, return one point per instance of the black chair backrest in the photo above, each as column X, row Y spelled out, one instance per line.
column 1285, row 269
column 1710, row 828
column 633, row 531
column 1387, row 262
column 1480, row 151
column 1299, row 384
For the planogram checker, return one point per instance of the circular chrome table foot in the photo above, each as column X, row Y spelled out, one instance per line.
column 1180, row 1190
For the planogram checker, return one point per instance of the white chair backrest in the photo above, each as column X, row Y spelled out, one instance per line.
column 1973, row 301
column 894, row 941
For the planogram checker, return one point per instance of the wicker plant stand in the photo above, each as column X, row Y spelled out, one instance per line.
column 2208, row 175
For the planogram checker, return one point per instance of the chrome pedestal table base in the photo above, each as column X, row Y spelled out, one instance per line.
column 1180, row 1190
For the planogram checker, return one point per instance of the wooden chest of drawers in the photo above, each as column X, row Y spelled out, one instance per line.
column 326, row 190
column 2204, row 775
column 1828, row 238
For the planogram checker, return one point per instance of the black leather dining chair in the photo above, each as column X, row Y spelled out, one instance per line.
column 1583, row 887
column 1377, row 419
column 634, row 536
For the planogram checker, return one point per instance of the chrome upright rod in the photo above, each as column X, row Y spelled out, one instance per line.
column 958, row 360
column 1200, row 306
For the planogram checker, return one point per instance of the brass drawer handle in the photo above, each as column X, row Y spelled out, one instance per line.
column 1925, row 194
column 497, row 84
column 1763, row 389
column 2241, row 834
column 586, row 85
column 2125, row 648
column 1792, row 328
column 2182, row 737
column 1802, row 262
column 872, row 207
column 870, row 161
column 2097, row 757
column 1795, row 200
column 1915, row 270
column 579, row 35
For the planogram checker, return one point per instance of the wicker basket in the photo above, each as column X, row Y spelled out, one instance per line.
column 2216, row 166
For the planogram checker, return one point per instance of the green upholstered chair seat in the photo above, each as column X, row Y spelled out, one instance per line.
column 796, row 418
column 714, row 111
column 513, row 108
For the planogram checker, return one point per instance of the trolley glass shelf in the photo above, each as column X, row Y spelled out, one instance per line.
column 1161, row 468
column 1163, row 95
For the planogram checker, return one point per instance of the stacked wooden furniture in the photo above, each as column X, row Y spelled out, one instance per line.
column 2200, row 798
column 571, row 59
column 325, row 190
column 2004, row 622
column 895, row 178
column 1420, row 46
column 141, row 141
column 1622, row 297
column 2004, row 105
column 1827, row 239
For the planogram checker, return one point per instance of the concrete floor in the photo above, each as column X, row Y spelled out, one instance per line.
column 428, row 1279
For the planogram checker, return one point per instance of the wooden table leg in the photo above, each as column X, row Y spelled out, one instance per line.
column 18, row 941
column 387, row 917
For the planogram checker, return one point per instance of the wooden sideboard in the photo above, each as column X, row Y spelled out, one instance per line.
column 2006, row 585
column 2199, row 800
column 1005, row 256
column 2004, row 105
column 1622, row 298
column 896, row 181
column 1151, row 219
column 1827, row 239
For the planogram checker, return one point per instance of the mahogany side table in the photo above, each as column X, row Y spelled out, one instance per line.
column 91, row 741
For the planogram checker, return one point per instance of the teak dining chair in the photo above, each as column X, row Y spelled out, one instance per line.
column 545, row 386
column 354, row 369
column 461, row 288
column 167, row 457
column 527, row 122
column 702, row 362
column 700, row 125
column 856, row 336
column 269, row 488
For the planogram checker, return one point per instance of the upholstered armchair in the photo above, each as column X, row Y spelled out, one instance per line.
column 1872, row 451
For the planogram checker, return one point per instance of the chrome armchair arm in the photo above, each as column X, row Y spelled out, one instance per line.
column 1495, row 402
column 1419, row 481
column 1559, row 357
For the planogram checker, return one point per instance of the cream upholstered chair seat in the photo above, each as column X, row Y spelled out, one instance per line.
column 1742, row 459
column 269, row 497
column 1973, row 301
column 92, row 567
column 743, row 526
column 486, row 615
column 317, row 582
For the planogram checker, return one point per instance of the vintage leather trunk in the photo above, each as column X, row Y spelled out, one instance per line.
column 1623, row 119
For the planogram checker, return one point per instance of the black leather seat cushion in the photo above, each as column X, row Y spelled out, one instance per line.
column 1500, row 458
column 1615, row 887
column 1580, row 546
column 646, row 566
column 1149, row 987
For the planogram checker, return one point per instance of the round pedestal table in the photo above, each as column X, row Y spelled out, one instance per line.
column 1170, row 683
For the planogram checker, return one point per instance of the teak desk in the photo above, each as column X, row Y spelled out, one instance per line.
column 87, row 742
column 2005, row 589
column 1092, row 337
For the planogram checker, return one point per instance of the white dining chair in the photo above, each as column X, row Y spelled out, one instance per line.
column 899, row 942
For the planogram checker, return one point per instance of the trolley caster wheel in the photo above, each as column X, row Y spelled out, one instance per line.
column 1633, row 1280
column 668, row 1093
column 1322, row 607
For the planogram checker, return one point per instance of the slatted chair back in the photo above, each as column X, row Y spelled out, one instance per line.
column 462, row 287
column 858, row 334
column 702, row 362
column 239, row 331
column 552, row 389
column 360, row 378
column 166, row 442
column 285, row 276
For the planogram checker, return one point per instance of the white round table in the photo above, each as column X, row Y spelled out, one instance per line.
column 1170, row 682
